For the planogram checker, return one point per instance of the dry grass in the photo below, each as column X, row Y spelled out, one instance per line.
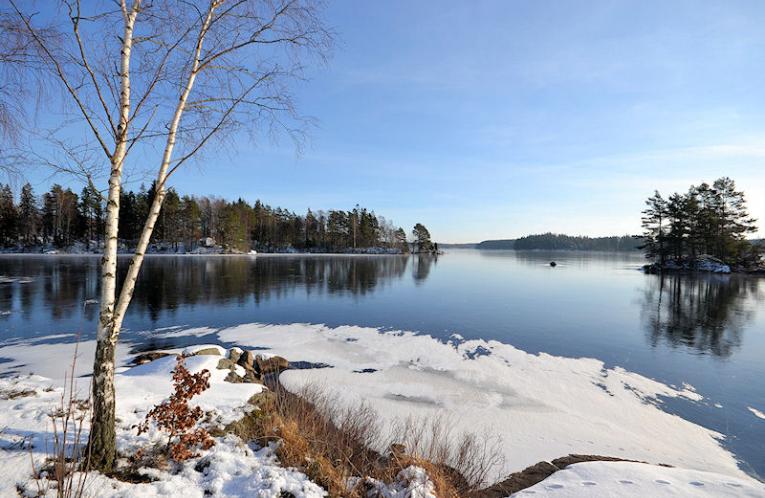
column 16, row 393
column 333, row 443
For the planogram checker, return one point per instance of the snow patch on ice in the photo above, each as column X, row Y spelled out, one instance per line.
column 170, row 332
column 757, row 413
column 629, row 479
column 543, row 406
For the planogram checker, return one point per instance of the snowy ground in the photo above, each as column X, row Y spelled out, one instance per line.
column 234, row 469
column 543, row 407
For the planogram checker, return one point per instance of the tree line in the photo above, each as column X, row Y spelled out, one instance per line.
column 555, row 242
column 62, row 218
column 706, row 220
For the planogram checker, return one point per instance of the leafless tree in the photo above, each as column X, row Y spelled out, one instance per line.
column 150, row 82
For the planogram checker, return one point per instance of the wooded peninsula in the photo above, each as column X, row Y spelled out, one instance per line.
column 62, row 219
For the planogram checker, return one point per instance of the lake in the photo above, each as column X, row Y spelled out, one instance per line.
column 707, row 331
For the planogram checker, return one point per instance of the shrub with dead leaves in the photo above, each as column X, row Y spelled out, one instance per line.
column 177, row 418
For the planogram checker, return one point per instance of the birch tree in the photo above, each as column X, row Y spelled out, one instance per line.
column 150, row 85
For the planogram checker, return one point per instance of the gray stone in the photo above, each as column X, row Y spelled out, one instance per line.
column 247, row 359
column 233, row 378
column 234, row 355
column 272, row 364
column 226, row 364
column 207, row 351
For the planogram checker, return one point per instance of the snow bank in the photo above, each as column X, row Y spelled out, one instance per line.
column 608, row 479
column 142, row 387
column 229, row 469
column 543, row 406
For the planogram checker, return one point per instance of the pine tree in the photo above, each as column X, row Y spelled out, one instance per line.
column 707, row 221
column 422, row 238
column 168, row 227
column 653, row 221
column 401, row 242
column 311, row 230
column 337, row 230
column 130, row 222
column 9, row 218
column 733, row 220
column 91, row 215
column 191, row 230
column 677, row 225
column 29, row 215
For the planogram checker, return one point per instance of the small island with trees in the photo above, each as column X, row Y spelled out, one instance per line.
column 704, row 229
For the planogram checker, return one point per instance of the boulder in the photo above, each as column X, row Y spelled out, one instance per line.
column 226, row 364
column 233, row 378
column 204, row 350
column 234, row 354
column 271, row 364
column 247, row 360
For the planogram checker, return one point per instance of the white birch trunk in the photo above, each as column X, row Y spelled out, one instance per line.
column 128, row 287
column 102, row 437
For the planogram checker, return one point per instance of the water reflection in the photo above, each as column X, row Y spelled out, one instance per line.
column 169, row 283
column 705, row 313
column 421, row 266
column 575, row 259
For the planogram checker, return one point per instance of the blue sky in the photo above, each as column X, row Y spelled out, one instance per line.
column 495, row 119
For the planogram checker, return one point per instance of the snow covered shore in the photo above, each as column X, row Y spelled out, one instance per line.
column 235, row 468
column 542, row 406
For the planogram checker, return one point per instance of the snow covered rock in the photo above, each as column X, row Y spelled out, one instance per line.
column 411, row 482
column 204, row 349
column 711, row 264
column 704, row 263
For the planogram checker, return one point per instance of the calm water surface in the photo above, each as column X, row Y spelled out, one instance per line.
column 707, row 331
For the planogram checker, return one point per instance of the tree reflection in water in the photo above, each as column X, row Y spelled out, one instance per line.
column 706, row 313
column 421, row 266
column 167, row 283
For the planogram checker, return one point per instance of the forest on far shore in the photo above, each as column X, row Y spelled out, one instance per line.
column 61, row 218
column 556, row 242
